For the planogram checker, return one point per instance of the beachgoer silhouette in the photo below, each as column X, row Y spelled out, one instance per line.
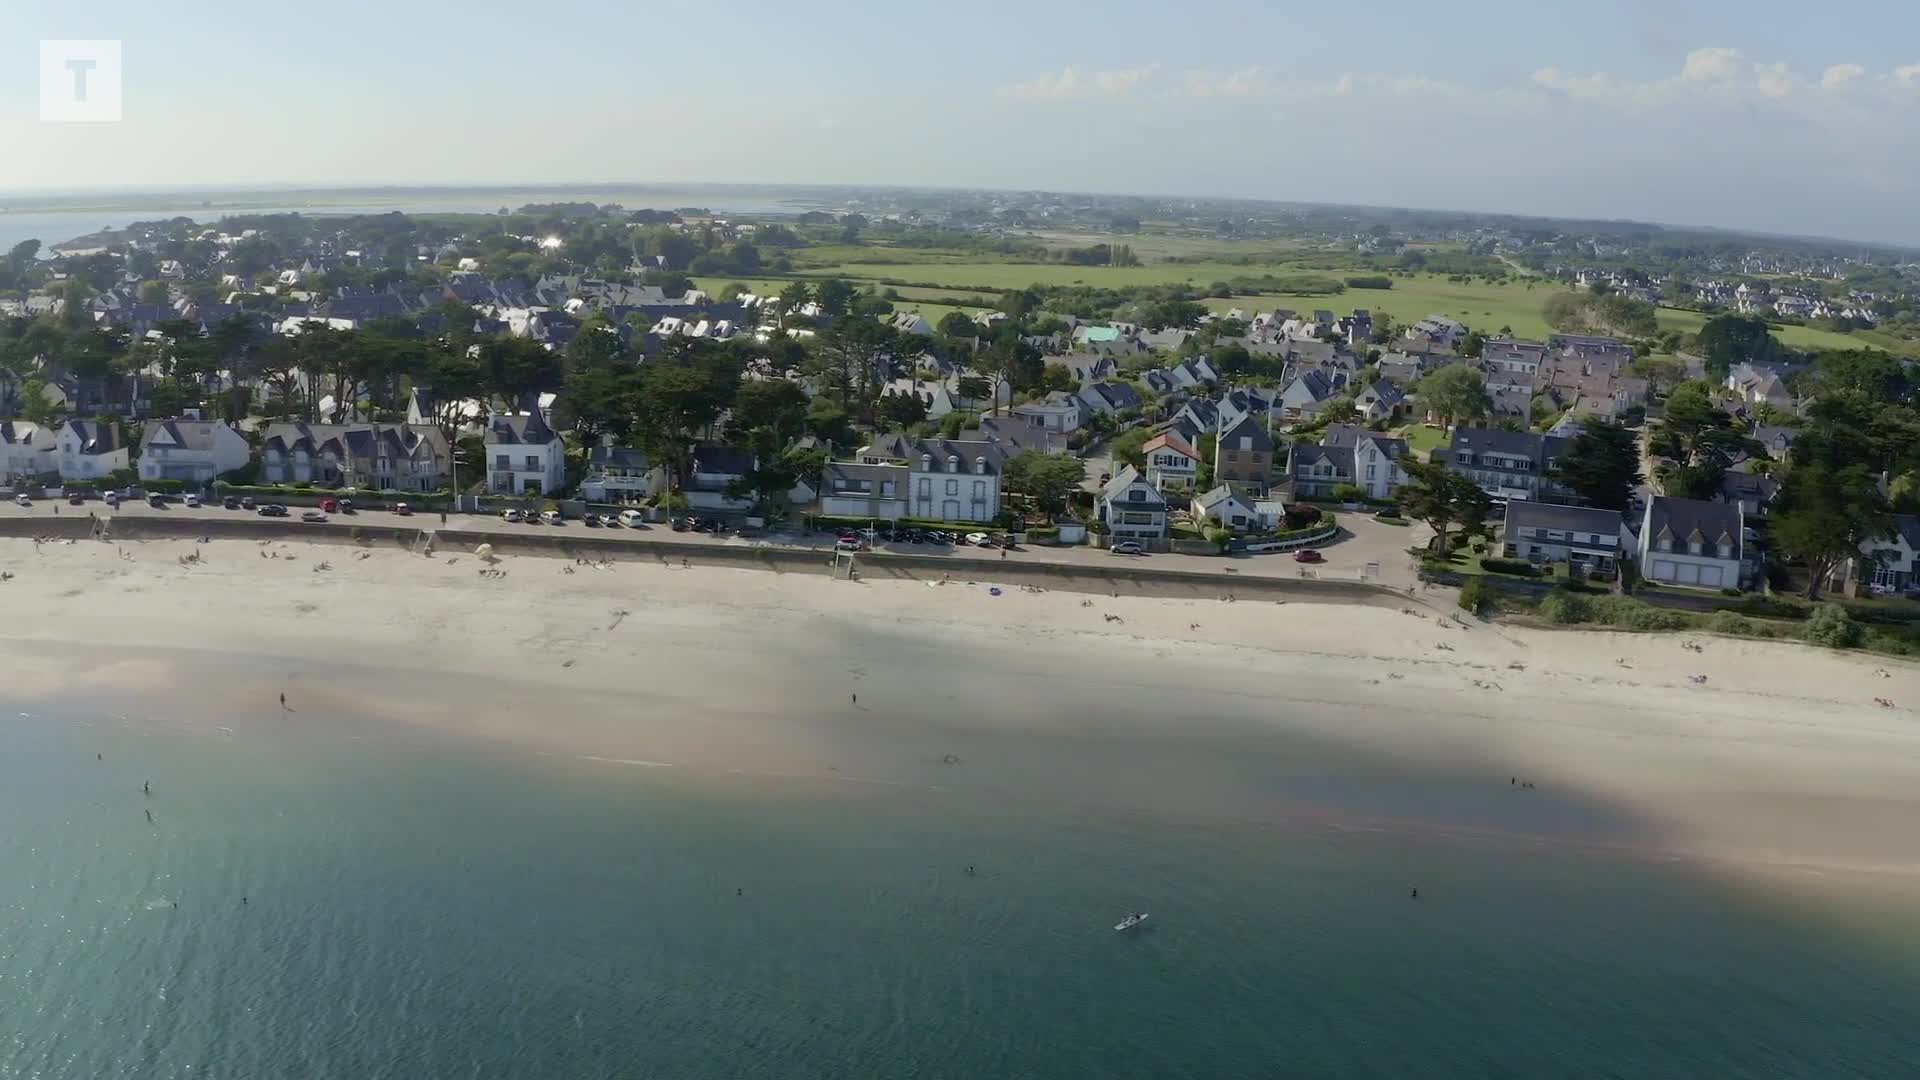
column 969, row 870
column 283, row 701
column 149, row 817
column 99, row 757
column 739, row 892
column 1415, row 895
column 147, row 786
column 243, row 901
column 856, row 699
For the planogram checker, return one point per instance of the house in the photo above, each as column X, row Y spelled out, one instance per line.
column 193, row 451
column 1691, row 542
column 1082, row 367
column 911, row 322
column 1017, row 433
column 1776, row 440
column 1381, row 401
column 856, row 490
column 1437, row 330
column 90, row 450
column 1512, row 355
column 1756, row 384
column 1311, row 390
column 380, row 457
column 1058, row 411
column 1197, row 417
column 1508, row 464
column 1243, row 454
column 1133, row 509
column 952, row 479
column 1171, row 461
column 1223, row 507
column 718, row 472
column 621, row 474
column 1349, row 455
column 27, row 451
column 1587, row 540
column 1888, row 564
column 524, row 455
column 1110, row 397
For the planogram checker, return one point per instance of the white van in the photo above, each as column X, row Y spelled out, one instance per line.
column 632, row 519
column 550, row 517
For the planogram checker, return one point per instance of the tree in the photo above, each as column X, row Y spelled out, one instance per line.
column 1128, row 448
column 775, row 406
column 518, row 368
column 1442, row 498
column 1047, row 479
column 1726, row 340
column 834, row 296
column 957, row 326
column 1601, row 465
column 1474, row 345
column 1700, row 441
column 677, row 400
column 153, row 292
column 1823, row 515
column 903, row 409
column 1456, row 392
column 33, row 401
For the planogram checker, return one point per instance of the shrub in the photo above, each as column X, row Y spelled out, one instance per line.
column 1626, row 614
column 1299, row 517
column 1516, row 567
column 1726, row 622
column 1476, row 596
column 1830, row 625
column 1566, row 609
column 1348, row 493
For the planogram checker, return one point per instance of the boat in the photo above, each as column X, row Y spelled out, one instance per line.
column 1130, row 921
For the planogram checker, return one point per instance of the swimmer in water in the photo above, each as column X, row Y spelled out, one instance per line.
column 1415, row 895
column 149, row 817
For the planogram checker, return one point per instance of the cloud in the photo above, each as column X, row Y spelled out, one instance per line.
column 1243, row 83
column 1075, row 82
column 1840, row 75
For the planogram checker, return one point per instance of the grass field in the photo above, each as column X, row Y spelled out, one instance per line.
column 938, row 278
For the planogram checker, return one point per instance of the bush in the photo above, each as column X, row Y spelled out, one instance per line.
column 1626, row 614
column 1348, row 493
column 1516, row 567
column 1726, row 622
column 1370, row 281
column 1476, row 596
column 1830, row 625
column 1566, row 609
column 1300, row 517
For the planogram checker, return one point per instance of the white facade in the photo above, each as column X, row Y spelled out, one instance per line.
column 953, row 490
column 1060, row 411
column 89, row 451
column 1133, row 509
column 1674, row 550
column 26, row 451
column 524, row 458
column 192, row 451
column 1375, row 472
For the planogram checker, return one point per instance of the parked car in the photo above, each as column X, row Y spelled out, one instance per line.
column 403, row 509
column 193, row 502
column 1308, row 555
column 591, row 521
column 246, row 502
column 231, row 502
column 76, row 499
column 346, row 506
column 550, row 517
column 157, row 501
column 273, row 510
column 679, row 524
column 632, row 519
column 22, row 500
column 848, row 543
column 1128, row 547
column 313, row 517
column 111, row 498
column 979, row 539
column 510, row 515
column 330, row 505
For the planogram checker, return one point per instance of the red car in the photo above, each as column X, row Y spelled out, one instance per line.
column 1308, row 555
column 330, row 505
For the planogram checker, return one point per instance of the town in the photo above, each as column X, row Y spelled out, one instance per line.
column 577, row 361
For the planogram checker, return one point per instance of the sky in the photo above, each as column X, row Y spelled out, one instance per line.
column 1768, row 115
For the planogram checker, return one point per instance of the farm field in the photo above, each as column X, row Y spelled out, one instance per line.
column 937, row 280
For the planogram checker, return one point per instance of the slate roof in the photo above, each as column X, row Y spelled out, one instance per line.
column 722, row 460
column 95, row 437
column 1681, row 518
column 1126, row 478
column 1584, row 519
column 527, row 429
column 898, row 447
column 1250, row 429
column 185, row 434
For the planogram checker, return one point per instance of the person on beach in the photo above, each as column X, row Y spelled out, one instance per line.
column 283, row 701
column 149, row 817
column 1415, row 895
column 146, row 786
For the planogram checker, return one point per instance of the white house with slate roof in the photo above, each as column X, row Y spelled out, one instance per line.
column 26, row 451
column 90, row 450
column 1691, row 542
column 1577, row 535
column 952, row 479
column 524, row 455
column 1134, row 509
column 191, row 451
column 377, row 457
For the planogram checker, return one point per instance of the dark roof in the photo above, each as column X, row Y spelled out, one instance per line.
column 1127, row 477
column 95, row 437
column 860, row 479
column 618, row 457
column 1248, row 434
column 1533, row 515
column 898, row 447
column 1528, row 444
column 529, row 428
column 1908, row 526
column 723, row 460
column 1340, row 456
column 1682, row 517
column 1118, row 395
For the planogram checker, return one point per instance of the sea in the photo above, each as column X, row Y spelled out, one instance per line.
column 360, row 900
column 33, row 219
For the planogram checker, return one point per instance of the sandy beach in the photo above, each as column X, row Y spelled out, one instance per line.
column 1780, row 759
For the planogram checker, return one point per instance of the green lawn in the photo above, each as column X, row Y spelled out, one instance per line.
column 1421, row 439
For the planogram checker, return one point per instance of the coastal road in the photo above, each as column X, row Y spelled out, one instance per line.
column 1363, row 542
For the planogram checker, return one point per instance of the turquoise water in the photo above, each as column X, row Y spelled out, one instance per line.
column 428, row 908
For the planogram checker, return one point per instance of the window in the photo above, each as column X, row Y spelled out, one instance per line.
column 502, row 462
column 1693, row 547
column 953, row 487
column 1666, row 544
column 926, row 488
column 1370, row 469
column 979, row 491
column 1136, row 495
column 886, row 489
column 533, row 463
